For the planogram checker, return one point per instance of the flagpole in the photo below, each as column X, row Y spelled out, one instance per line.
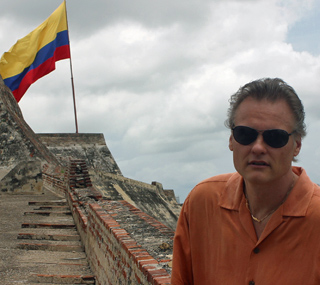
column 71, row 71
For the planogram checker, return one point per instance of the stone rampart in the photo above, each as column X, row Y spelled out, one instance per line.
column 106, row 176
column 91, row 148
column 126, row 226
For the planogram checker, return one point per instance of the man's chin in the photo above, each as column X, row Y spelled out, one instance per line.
column 257, row 178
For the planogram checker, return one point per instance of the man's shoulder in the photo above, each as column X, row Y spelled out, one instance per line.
column 316, row 194
column 214, row 184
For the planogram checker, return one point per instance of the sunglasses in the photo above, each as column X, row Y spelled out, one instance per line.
column 275, row 138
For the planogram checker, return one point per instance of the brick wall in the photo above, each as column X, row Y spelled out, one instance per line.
column 123, row 244
column 116, row 257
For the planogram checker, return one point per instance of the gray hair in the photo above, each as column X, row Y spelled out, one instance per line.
column 271, row 89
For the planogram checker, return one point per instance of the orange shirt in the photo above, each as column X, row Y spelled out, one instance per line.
column 216, row 243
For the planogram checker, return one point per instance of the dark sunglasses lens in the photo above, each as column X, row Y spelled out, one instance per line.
column 245, row 135
column 276, row 138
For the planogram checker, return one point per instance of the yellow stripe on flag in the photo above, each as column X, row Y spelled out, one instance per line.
column 23, row 53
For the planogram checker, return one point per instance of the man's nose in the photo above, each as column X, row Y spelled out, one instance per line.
column 259, row 145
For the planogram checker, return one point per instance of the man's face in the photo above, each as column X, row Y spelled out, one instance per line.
column 258, row 162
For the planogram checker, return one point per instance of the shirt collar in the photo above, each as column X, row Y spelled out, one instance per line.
column 231, row 197
column 299, row 199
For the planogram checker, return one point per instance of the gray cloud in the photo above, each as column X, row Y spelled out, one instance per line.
column 155, row 77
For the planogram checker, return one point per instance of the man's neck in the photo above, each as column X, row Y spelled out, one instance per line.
column 264, row 198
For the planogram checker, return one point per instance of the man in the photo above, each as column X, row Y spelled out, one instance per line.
column 260, row 225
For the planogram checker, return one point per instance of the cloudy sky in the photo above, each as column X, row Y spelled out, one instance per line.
column 155, row 77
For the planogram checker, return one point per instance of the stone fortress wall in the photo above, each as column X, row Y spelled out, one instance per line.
column 126, row 226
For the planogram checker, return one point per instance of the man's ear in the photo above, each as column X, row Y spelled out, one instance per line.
column 230, row 143
column 298, row 145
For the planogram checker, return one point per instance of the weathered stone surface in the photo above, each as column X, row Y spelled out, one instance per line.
column 149, row 198
column 91, row 148
column 18, row 142
column 21, row 153
column 24, row 178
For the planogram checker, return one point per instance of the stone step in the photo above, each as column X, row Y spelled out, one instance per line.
column 49, row 241
column 40, row 283
column 48, row 225
column 52, row 219
column 37, row 258
column 47, row 214
column 63, row 279
column 52, row 237
column 48, row 203
column 50, row 247
column 53, row 208
column 48, row 231
column 34, row 245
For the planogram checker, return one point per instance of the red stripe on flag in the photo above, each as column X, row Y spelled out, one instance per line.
column 33, row 75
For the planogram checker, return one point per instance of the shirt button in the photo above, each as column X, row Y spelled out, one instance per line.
column 252, row 283
column 256, row 250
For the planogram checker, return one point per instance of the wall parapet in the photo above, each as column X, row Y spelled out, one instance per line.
column 116, row 256
column 124, row 245
column 54, row 179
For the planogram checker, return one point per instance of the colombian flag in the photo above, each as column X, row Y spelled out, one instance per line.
column 34, row 56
